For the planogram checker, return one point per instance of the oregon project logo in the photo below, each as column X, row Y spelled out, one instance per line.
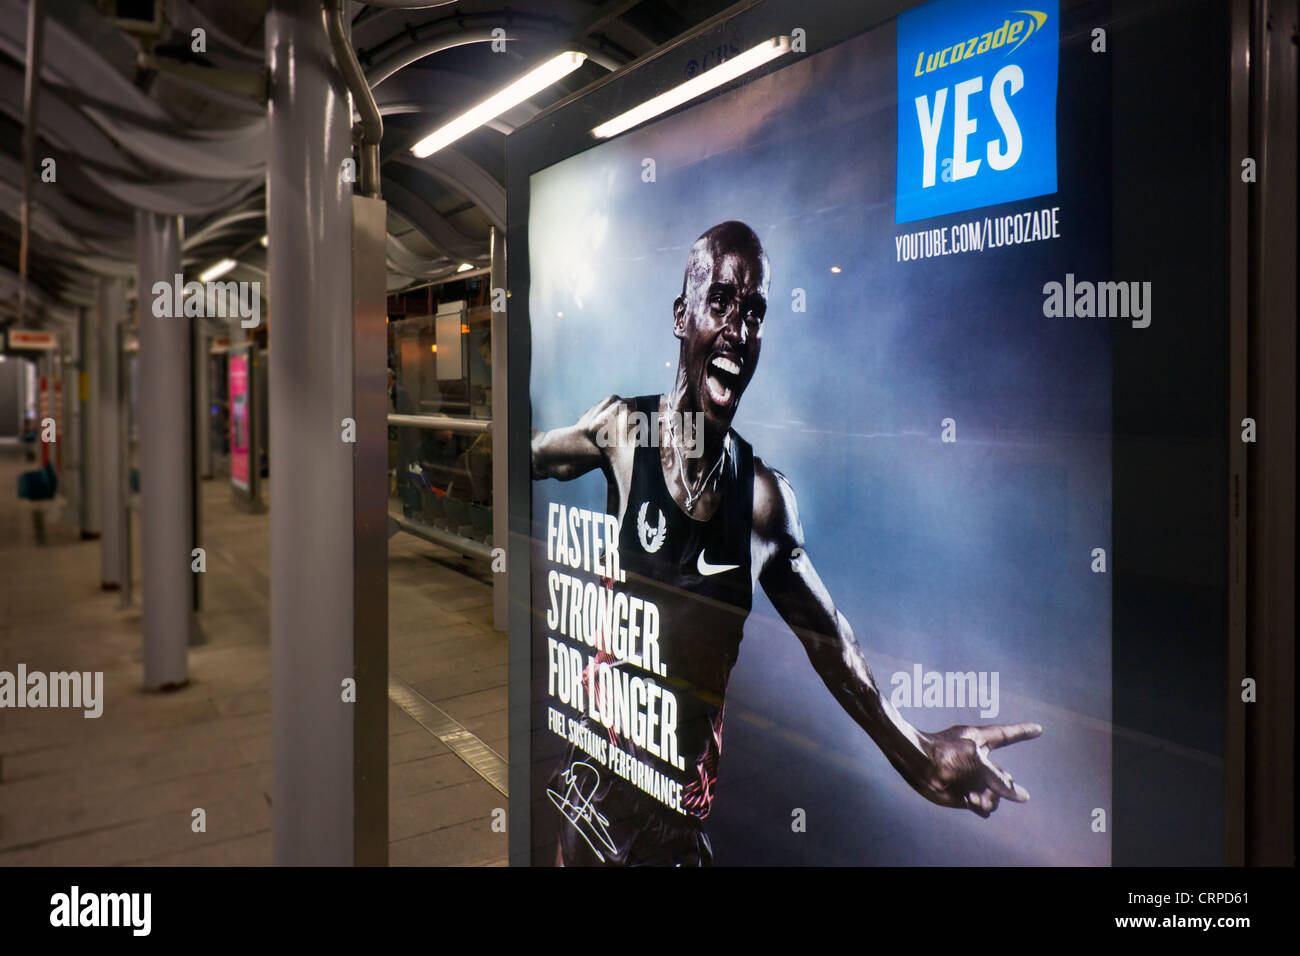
column 651, row 536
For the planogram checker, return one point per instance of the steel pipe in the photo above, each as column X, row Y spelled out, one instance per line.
column 372, row 124
column 467, row 426
column 447, row 539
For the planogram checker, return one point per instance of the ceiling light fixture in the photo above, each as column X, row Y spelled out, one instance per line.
column 521, row 89
column 724, row 72
column 217, row 270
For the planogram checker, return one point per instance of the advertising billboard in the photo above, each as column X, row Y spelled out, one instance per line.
column 822, row 470
column 240, row 441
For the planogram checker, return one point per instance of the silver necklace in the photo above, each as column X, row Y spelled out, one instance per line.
column 692, row 498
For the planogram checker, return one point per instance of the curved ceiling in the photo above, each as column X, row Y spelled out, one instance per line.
column 128, row 132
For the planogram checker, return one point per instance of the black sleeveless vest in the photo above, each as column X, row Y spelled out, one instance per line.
column 697, row 573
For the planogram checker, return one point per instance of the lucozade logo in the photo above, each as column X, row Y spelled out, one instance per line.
column 1005, row 35
column 985, row 133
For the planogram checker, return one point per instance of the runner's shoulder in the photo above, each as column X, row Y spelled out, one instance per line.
column 608, row 425
column 604, row 414
column 775, row 509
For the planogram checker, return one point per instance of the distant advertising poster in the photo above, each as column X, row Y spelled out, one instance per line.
column 239, row 424
column 847, row 604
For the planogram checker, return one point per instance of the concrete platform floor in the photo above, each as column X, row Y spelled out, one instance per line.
column 120, row 789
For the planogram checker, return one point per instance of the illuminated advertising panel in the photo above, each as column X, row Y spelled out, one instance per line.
column 822, row 484
column 240, row 442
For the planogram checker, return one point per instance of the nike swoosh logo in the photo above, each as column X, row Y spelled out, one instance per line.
column 706, row 569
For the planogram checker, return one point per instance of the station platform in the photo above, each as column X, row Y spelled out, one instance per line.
column 122, row 789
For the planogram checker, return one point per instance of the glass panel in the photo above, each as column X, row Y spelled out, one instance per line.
column 442, row 477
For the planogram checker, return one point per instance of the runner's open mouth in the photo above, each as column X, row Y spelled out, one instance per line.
column 722, row 379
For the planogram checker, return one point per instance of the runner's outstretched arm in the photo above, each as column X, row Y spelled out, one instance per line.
column 952, row 767
column 569, row 452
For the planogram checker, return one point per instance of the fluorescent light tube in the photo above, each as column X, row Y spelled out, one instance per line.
column 527, row 85
column 724, row 72
column 217, row 270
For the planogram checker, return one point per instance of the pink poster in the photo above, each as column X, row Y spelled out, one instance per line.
column 239, row 434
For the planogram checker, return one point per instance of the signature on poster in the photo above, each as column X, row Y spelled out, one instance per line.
column 577, row 809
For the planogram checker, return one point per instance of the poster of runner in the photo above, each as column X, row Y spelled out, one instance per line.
column 821, row 462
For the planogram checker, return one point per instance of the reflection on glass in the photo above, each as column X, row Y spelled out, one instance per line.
column 441, row 365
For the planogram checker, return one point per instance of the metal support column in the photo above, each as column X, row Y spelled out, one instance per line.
column 200, row 444
column 45, row 403
column 88, row 398
column 108, row 425
column 1269, row 831
column 500, row 445
column 69, row 415
column 370, row 529
column 202, row 404
column 166, row 504
column 328, row 696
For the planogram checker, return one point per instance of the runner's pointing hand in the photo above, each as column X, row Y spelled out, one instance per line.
column 960, row 772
